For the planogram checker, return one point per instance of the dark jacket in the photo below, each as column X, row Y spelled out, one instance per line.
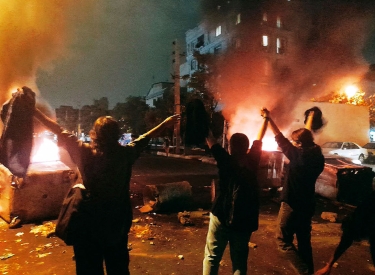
column 236, row 204
column 108, row 212
column 306, row 164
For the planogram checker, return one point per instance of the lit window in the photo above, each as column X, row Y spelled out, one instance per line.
column 278, row 22
column 218, row 31
column 280, row 45
column 265, row 41
column 238, row 19
column 265, row 17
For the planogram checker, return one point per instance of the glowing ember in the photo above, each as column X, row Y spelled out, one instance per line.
column 46, row 151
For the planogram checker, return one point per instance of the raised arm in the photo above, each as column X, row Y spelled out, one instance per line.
column 263, row 129
column 309, row 120
column 52, row 125
column 158, row 130
column 266, row 115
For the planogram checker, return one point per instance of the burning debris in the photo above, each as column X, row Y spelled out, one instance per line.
column 45, row 230
column 330, row 216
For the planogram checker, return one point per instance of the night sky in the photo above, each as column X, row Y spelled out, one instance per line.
column 121, row 50
column 73, row 52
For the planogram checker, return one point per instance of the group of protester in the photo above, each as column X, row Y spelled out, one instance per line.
column 105, row 167
column 235, row 211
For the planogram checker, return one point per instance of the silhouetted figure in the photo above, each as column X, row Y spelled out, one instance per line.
column 235, row 210
column 166, row 145
column 298, row 194
column 106, row 215
column 359, row 225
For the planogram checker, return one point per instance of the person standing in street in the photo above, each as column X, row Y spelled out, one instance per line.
column 166, row 145
column 235, row 210
column 298, row 194
column 106, row 216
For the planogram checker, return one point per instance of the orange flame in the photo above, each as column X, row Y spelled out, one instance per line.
column 269, row 144
column 46, row 151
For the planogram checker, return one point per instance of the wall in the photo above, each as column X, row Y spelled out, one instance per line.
column 344, row 122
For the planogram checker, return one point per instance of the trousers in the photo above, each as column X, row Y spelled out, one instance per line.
column 292, row 222
column 218, row 236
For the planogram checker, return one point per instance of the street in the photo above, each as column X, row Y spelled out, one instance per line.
column 160, row 244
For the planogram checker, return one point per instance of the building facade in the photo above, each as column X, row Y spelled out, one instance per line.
column 157, row 91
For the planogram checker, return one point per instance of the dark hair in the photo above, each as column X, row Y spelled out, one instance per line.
column 105, row 132
column 317, row 122
column 303, row 136
column 239, row 144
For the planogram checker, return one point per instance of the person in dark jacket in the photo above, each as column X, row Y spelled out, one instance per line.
column 298, row 193
column 106, row 168
column 235, row 210
column 357, row 226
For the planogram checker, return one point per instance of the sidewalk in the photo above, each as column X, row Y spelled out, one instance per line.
column 201, row 158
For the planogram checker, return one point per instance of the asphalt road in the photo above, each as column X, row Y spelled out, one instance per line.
column 159, row 244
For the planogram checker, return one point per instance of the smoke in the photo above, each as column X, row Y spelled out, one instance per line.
column 33, row 34
column 323, row 52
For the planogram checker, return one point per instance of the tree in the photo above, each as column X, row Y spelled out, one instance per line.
column 202, row 82
column 164, row 107
column 131, row 114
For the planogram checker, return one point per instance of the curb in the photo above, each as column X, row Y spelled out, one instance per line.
column 204, row 159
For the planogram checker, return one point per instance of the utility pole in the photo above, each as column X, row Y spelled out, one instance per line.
column 177, row 103
column 79, row 121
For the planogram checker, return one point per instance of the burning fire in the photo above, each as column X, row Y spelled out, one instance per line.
column 46, row 151
column 269, row 144
column 249, row 121
column 351, row 90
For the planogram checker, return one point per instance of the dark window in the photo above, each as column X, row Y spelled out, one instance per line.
column 217, row 49
column 200, row 41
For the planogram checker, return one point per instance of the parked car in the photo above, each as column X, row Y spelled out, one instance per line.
column 346, row 149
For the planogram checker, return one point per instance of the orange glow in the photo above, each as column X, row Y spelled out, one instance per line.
column 47, row 151
column 248, row 121
column 269, row 144
column 351, row 90
column 33, row 35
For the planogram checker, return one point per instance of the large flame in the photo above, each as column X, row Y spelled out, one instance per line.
column 248, row 121
column 269, row 144
column 46, row 151
column 351, row 90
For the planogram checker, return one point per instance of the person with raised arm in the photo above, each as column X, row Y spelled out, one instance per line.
column 106, row 216
column 235, row 210
column 298, row 194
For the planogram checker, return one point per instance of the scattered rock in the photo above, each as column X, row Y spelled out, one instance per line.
column 184, row 218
